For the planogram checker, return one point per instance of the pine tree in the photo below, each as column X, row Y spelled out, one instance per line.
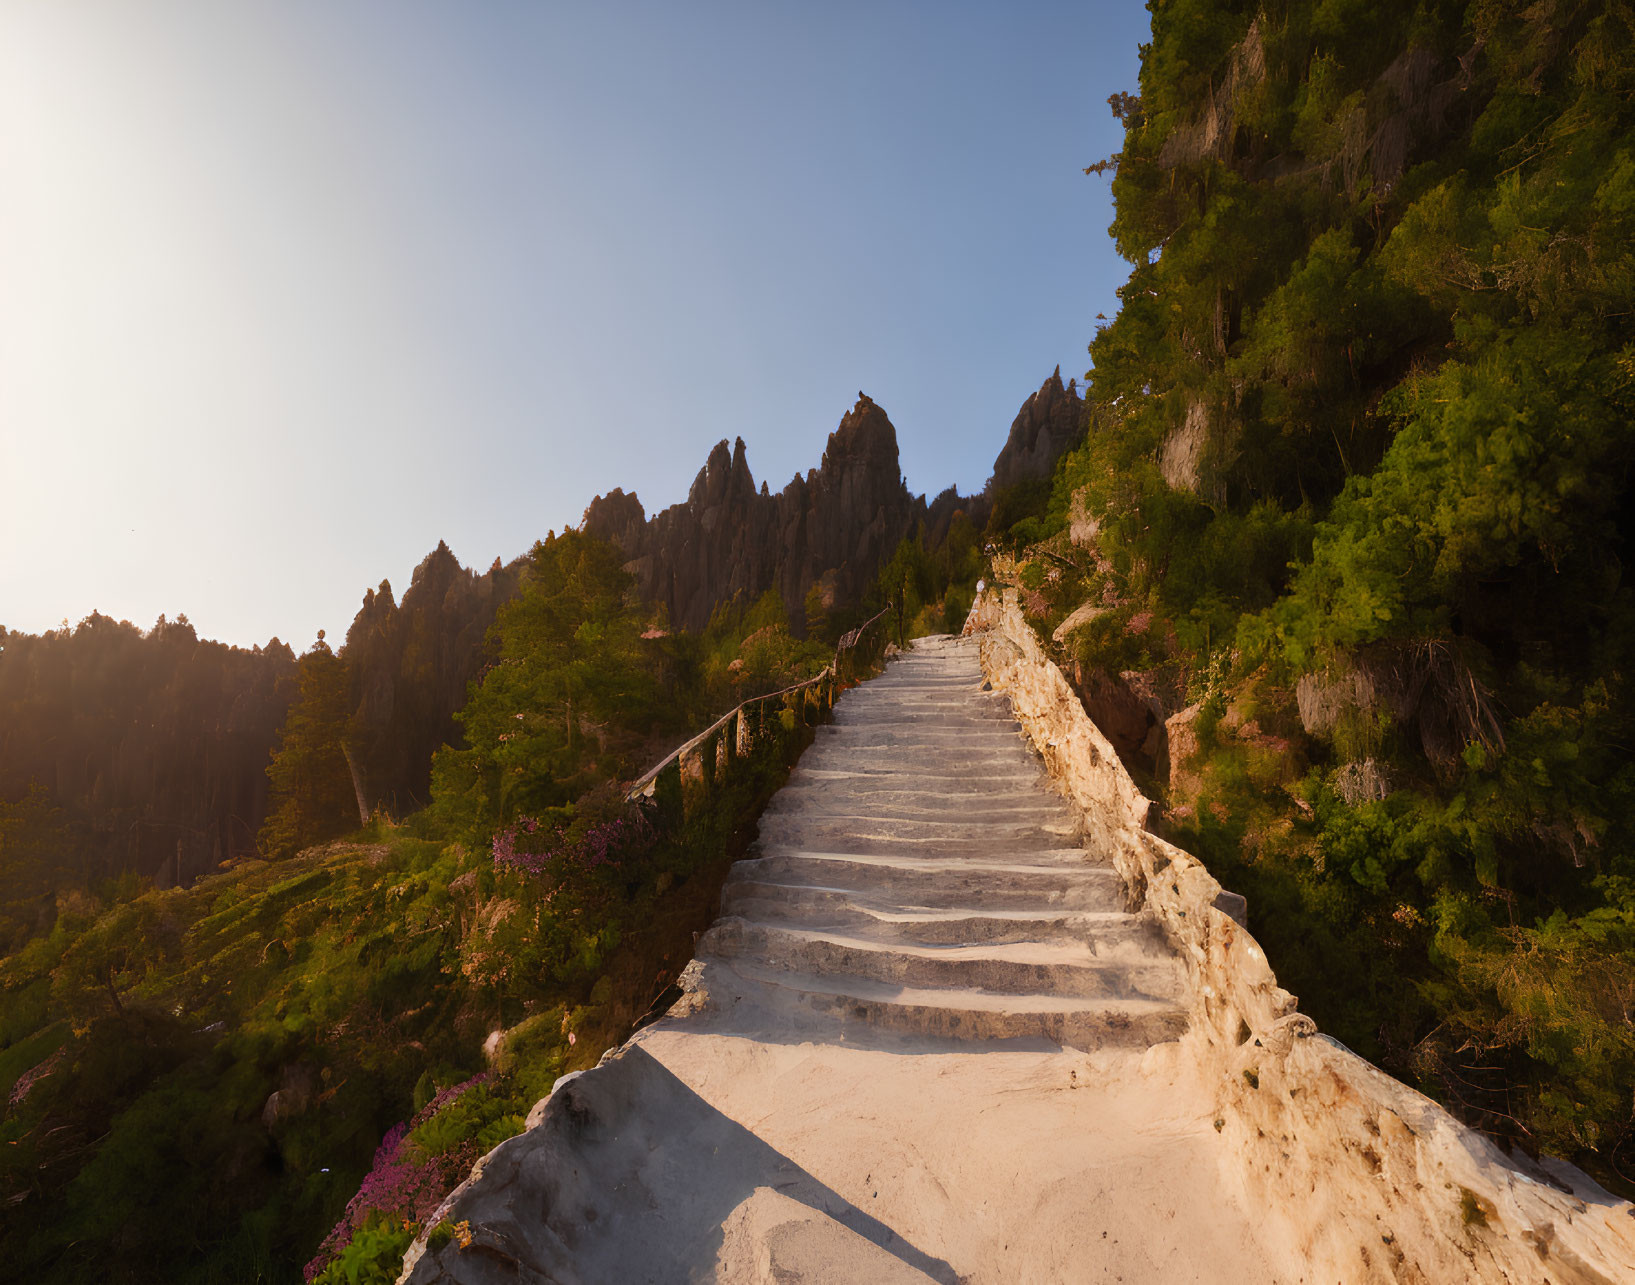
column 312, row 790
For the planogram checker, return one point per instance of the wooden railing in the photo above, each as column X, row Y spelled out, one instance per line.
column 736, row 732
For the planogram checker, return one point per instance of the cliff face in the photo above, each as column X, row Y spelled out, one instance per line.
column 833, row 527
column 1050, row 423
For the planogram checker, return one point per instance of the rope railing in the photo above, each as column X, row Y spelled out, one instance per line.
column 730, row 728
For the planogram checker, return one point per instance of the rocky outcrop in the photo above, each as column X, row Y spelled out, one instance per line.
column 411, row 664
column 1129, row 720
column 1050, row 423
column 1360, row 1177
column 834, row 526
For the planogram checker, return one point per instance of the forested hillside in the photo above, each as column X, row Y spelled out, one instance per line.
column 291, row 1060
column 1336, row 554
column 123, row 750
column 131, row 751
column 1346, row 543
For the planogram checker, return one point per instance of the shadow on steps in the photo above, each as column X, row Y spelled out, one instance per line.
column 631, row 1176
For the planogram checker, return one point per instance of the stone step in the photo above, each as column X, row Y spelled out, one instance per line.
column 822, row 810
column 1001, row 968
column 998, row 822
column 965, row 691
column 888, row 921
column 831, row 789
column 972, row 785
column 1048, row 832
column 861, row 736
column 1002, row 861
column 835, row 794
column 918, row 881
column 962, row 710
column 962, row 751
column 979, row 709
column 858, row 838
column 856, row 1007
column 914, row 769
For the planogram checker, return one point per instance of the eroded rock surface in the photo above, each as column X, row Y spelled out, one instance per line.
column 1050, row 423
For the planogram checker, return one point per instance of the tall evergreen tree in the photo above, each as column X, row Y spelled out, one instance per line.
column 313, row 798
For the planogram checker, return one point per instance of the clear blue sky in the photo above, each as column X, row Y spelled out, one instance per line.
column 294, row 289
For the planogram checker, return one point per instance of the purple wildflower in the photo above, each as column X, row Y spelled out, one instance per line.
column 401, row 1181
column 606, row 843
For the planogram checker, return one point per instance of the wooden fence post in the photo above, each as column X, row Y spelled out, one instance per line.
column 707, row 757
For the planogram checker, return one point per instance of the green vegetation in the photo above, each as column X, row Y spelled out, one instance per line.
column 284, row 1063
column 312, row 796
column 1359, row 468
column 929, row 589
column 149, row 747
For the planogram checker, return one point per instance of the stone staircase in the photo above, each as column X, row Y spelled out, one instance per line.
column 918, row 876
column 926, row 1041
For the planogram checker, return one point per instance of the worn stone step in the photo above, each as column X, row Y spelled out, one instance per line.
column 859, row 838
column 889, row 921
column 927, row 882
column 1004, row 968
column 834, row 791
column 973, row 785
column 949, row 774
column 921, row 835
column 980, row 859
column 914, row 810
column 955, row 750
column 966, row 708
column 963, row 740
column 963, row 698
column 833, row 795
column 930, row 771
column 855, row 1007
column 1034, row 830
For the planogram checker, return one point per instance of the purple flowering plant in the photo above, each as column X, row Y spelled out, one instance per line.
column 405, row 1183
column 569, row 881
column 605, row 834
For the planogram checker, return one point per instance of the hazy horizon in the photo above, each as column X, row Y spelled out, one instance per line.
column 294, row 292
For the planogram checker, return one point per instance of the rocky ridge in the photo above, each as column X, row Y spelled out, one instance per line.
column 1050, row 423
column 833, row 527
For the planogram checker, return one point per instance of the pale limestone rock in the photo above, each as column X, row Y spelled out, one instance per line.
column 1082, row 526
column 1361, row 1177
column 1362, row 782
column 1181, row 457
column 1324, row 697
column 1082, row 615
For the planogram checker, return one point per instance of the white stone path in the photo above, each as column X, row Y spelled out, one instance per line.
column 925, row 1041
